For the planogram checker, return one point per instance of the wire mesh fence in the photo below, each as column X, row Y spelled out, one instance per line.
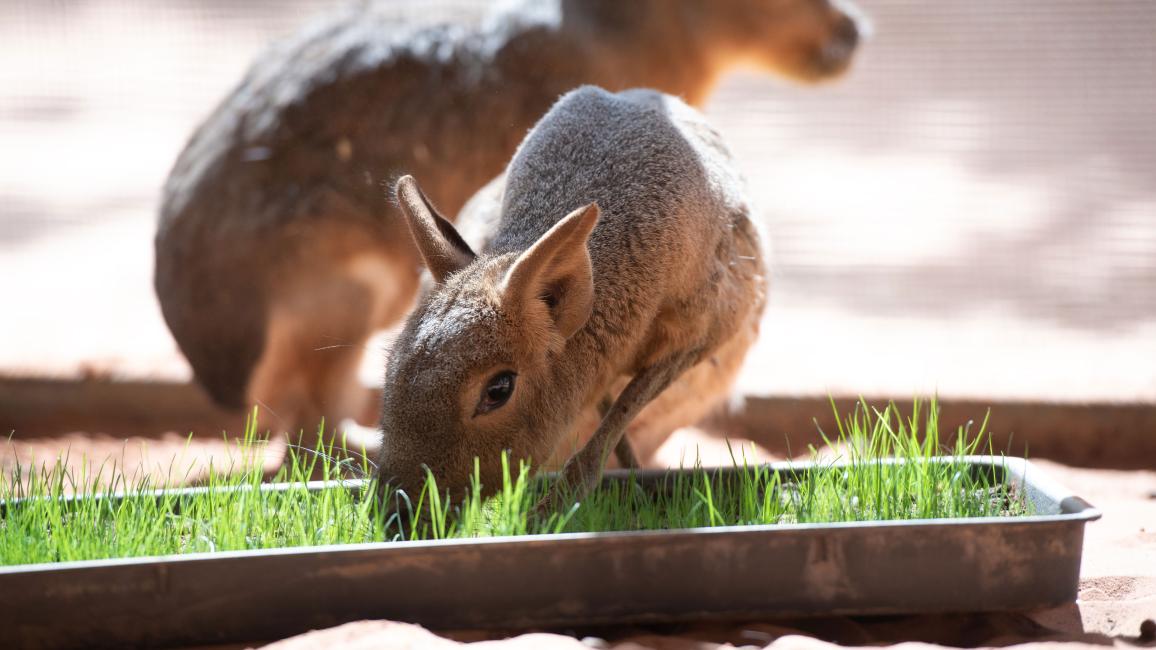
column 972, row 210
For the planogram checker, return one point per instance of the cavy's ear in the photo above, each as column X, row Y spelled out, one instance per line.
column 556, row 272
column 442, row 248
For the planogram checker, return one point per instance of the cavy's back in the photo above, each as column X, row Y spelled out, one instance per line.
column 660, row 175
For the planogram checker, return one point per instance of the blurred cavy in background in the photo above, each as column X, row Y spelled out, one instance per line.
column 277, row 254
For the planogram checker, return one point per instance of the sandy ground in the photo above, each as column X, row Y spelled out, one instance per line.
column 383, row 635
column 167, row 460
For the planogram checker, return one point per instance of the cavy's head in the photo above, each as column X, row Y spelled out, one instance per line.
column 807, row 40
column 473, row 372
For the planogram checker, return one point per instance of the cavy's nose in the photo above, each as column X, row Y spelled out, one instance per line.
column 852, row 25
column 847, row 31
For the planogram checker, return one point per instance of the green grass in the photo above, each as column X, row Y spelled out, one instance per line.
column 52, row 515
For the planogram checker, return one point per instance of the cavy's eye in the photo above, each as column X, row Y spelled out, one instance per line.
column 497, row 392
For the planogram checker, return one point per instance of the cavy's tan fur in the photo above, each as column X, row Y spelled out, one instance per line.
column 623, row 266
column 276, row 255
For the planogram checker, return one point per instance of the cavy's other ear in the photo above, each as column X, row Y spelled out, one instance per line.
column 556, row 272
column 442, row 248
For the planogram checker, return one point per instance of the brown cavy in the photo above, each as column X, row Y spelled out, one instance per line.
column 623, row 264
column 276, row 256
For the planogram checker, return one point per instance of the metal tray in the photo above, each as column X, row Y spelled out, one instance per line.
column 743, row 572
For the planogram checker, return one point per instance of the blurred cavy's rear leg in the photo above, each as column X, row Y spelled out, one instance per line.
column 316, row 338
column 278, row 387
column 307, row 373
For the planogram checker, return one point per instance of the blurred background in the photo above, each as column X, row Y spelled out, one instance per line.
column 971, row 211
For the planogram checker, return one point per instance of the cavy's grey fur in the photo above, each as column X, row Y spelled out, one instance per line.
column 677, row 290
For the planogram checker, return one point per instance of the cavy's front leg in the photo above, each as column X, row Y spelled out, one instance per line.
column 584, row 469
column 623, row 452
